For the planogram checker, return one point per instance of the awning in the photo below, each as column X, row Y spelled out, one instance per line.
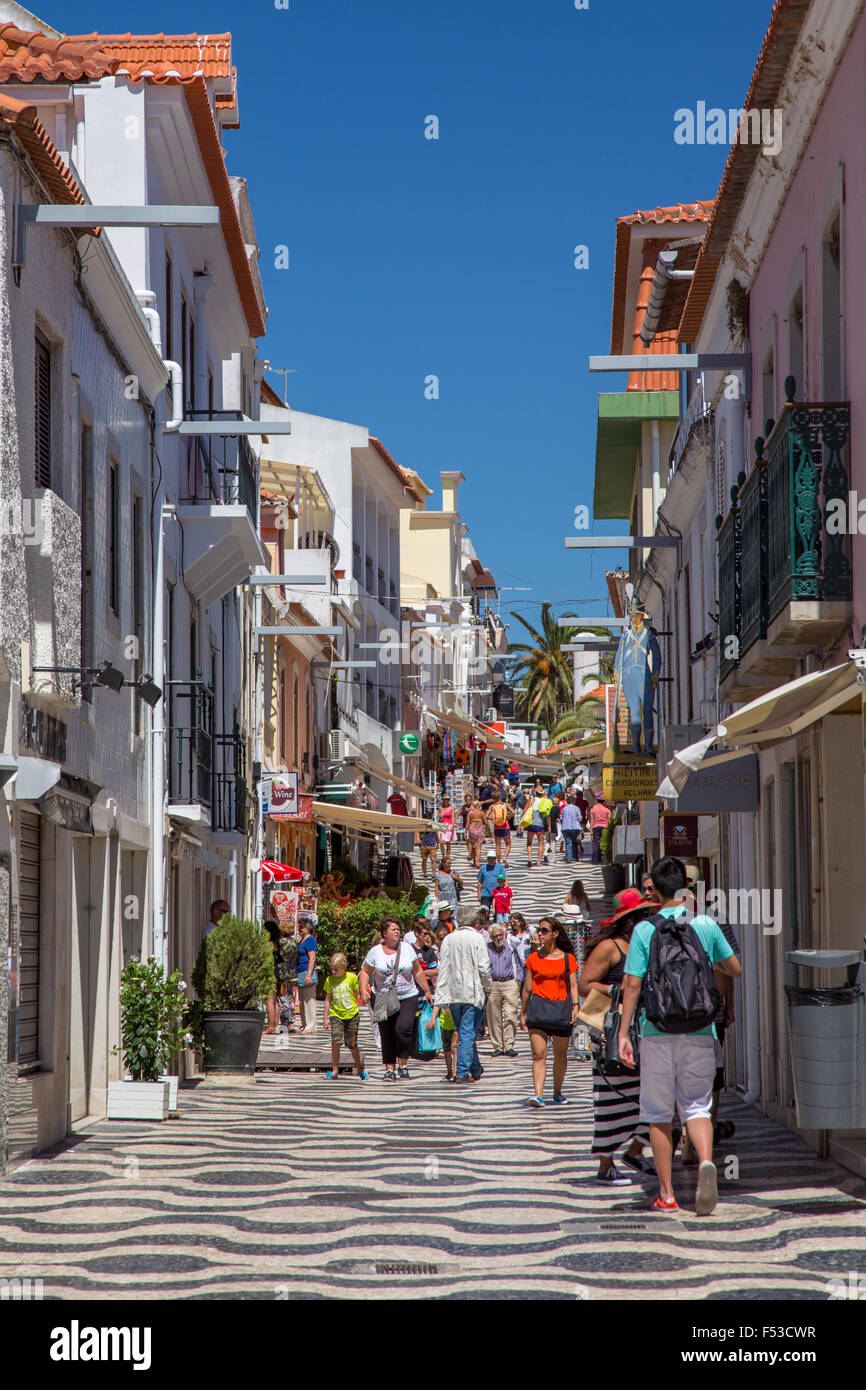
column 277, row 474
column 375, row 821
column 779, row 715
column 411, row 787
column 281, row 873
column 452, row 721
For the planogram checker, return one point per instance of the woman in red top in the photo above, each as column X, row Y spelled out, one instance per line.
column 550, row 980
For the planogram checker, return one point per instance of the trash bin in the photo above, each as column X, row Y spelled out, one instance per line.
column 827, row 1031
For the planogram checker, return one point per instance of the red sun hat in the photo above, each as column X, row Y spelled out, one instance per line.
column 629, row 900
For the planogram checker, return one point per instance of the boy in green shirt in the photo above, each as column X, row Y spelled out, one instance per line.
column 343, row 1010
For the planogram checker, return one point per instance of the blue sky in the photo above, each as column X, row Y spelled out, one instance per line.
column 454, row 257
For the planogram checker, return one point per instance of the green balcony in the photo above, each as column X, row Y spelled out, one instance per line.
column 784, row 578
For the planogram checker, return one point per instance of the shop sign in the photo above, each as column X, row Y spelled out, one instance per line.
column 42, row 733
column 408, row 743
column 680, row 835
column 284, row 905
column 634, row 781
column 727, row 787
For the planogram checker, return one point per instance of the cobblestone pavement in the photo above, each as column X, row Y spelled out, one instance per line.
column 300, row 1187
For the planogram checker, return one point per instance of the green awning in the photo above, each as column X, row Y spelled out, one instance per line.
column 620, row 416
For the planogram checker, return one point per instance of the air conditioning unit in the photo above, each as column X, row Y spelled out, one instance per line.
column 490, row 714
column 336, row 746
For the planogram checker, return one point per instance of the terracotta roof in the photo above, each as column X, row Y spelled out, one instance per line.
column 484, row 580
column 161, row 57
column 698, row 213
column 22, row 119
column 786, row 22
column 31, row 57
column 394, row 466
column 270, row 397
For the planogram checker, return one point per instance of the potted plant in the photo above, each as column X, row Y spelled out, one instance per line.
column 234, row 972
column 151, row 1033
column 613, row 874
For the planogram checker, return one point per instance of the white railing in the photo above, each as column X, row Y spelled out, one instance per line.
column 698, row 410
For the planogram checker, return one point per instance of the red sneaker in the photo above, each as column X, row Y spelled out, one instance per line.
column 661, row 1205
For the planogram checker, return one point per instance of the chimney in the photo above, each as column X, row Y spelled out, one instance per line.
column 450, row 484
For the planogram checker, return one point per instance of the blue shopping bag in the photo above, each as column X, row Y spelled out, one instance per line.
column 429, row 1040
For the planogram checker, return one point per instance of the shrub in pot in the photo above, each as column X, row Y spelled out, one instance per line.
column 612, row 874
column 151, row 1034
column 233, row 975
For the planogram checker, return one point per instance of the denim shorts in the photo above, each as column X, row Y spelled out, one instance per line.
column 345, row 1030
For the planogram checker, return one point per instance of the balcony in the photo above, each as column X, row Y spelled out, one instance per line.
column 232, row 801
column 189, row 750
column 784, row 578
column 218, row 509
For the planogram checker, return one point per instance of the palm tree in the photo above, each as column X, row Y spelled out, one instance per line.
column 544, row 669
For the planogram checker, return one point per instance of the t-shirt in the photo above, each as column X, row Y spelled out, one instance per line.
column 502, row 899
column 599, row 815
column 381, row 967
column 429, row 837
column 397, row 804
column 305, row 949
column 548, row 976
column 487, row 877
column 342, row 992
column 709, row 934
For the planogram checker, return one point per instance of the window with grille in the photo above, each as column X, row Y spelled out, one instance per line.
column 42, row 411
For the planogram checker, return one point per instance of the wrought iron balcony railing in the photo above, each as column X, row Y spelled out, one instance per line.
column 222, row 469
column 232, row 799
column 190, row 742
column 775, row 546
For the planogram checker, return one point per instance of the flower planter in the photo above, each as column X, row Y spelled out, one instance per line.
column 137, row 1100
column 614, row 878
column 231, row 1041
column 172, row 1092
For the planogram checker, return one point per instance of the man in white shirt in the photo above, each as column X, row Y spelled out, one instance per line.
column 218, row 910
column 462, row 985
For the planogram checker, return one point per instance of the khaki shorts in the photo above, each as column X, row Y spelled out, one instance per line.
column 345, row 1030
column 677, row 1072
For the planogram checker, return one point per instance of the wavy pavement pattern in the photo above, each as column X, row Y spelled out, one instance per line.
column 298, row 1187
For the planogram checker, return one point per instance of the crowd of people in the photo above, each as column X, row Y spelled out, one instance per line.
column 465, row 973
column 550, row 821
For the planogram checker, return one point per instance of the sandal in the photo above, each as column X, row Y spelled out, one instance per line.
column 661, row 1205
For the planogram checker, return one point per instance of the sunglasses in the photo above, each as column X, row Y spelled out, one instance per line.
column 544, row 931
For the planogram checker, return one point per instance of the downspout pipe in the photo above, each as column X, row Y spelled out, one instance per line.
column 657, row 482
column 664, row 274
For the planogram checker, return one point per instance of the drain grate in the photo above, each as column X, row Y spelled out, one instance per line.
column 403, row 1267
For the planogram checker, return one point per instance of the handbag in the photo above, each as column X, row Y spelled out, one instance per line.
column 608, row 1061
column 386, row 1004
column 552, row 1013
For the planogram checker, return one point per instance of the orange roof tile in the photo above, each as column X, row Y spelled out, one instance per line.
column 394, row 466
column 783, row 31
column 22, row 119
column 161, row 57
column 32, row 57
column 269, row 396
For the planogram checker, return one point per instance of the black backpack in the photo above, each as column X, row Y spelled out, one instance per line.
column 680, row 995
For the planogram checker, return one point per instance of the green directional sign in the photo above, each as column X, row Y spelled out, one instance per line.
column 409, row 743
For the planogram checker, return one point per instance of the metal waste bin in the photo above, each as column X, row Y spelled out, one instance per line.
column 827, row 1031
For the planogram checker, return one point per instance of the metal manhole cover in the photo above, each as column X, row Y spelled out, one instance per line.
column 402, row 1267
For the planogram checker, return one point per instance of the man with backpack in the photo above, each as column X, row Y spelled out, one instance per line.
column 672, row 956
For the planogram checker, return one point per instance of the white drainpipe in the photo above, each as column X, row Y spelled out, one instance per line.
column 657, row 488
column 176, row 372
column 147, row 300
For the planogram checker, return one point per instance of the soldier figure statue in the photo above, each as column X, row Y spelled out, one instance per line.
column 638, row 662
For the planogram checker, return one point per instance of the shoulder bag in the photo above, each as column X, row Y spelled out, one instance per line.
column 386, row 1004
column 609, row 1061
column 551, row 1013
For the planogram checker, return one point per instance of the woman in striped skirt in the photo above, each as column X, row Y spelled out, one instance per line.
column 615, row 1100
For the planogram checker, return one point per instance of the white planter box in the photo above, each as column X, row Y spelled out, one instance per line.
column 138, row 1100
column 172, row 1092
